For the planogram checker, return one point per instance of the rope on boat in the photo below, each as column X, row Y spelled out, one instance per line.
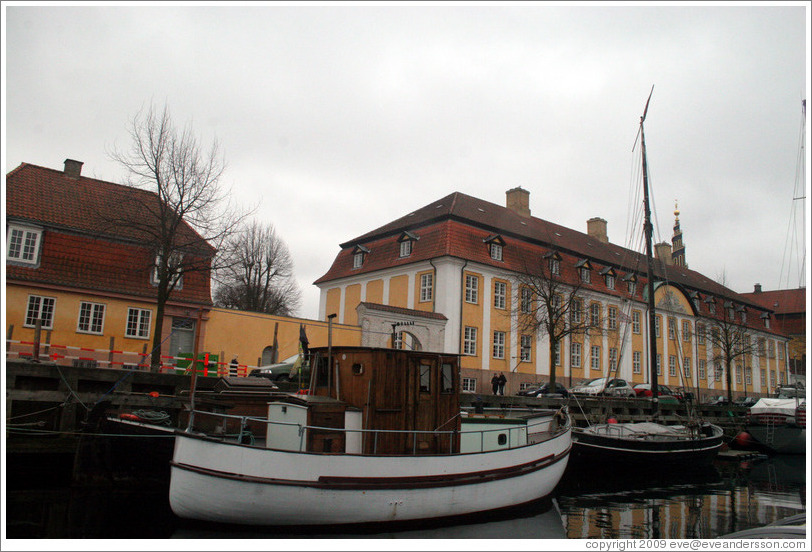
column 154, row 417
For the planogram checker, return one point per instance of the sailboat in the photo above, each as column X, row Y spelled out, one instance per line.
column 647, row 443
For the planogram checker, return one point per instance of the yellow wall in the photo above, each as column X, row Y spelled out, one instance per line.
column 246, row 334
column 399, row 291
column 352, row 297
column 375, row 292
column 333, row 301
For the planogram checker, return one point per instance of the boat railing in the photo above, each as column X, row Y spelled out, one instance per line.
column 246, row 428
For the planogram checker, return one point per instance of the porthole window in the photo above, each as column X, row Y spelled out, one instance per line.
column 502, row 439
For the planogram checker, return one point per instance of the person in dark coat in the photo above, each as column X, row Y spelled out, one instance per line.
column 495, row 384
column 502, row 382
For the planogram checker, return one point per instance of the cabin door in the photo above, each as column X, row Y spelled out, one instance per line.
column 426, row 411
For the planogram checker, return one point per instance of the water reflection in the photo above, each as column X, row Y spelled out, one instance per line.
column 725, row 497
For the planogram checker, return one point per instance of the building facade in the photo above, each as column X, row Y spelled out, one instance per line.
column 463, row 257
column 87, row 285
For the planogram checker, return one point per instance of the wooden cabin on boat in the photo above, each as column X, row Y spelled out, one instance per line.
column 391, row 390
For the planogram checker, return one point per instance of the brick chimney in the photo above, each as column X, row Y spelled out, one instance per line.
column 73, row 169
column 596, row 228
column 518, row 201
column 662, row 252
column 757, row 288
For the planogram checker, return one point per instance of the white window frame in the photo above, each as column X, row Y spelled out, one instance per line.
column 496, row 251
column 612, row 359
column 555, row 266
column 358, row 259
column 672, row 328
column 703, row 369
column 557, row 353
column 498, row 345
column 686, row 330
column 468, row 385
column 178, row 284
column 575, row 311
column 657, row 325
column 610, row 281
column 672, row 366
column 43, row 306
column 91, row 318
column 595, row 357
column 700, row 334
column 659, row 364
column 405, row 248
column 611, row 313
column 575, row 354
column 631, row 287
column 469, row 342
column 23, row 244
column 595, row 315
column 426, row 287
column 471, row 289
column 585, row 275
column 636, row 356
column 527, row 300
column 636, row 322
column 526, row 348
column 686, row 367
column 143, row 323
column 499, row 294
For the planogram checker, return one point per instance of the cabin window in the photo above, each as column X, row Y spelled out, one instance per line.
column 426, row 287
column 447, row 378
column 40, row 308
column 22, row 244
column 502, row 439
column 425, row 378
column 357, row 369
column 499, row 295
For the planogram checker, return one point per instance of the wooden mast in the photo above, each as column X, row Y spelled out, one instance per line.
column 649, row 267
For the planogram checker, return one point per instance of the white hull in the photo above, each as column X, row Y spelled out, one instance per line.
column 783, row 440
column 230, row 483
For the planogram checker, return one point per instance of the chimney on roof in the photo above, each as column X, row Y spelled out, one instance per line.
column 757, row 288
column 73, row 169
column 596, row 228
column 518, row 201
column 662, row 252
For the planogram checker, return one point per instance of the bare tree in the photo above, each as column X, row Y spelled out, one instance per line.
column 730, row 343
column 258, row 273
column 184, row 214
column 549, row 305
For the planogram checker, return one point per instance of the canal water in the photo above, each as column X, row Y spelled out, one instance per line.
column 728, row 496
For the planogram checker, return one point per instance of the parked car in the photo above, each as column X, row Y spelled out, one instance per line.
column 615, row 387
column 745, row 401
column 721, row 399
column 644, row 390
column 282, row 371
column 544, row 389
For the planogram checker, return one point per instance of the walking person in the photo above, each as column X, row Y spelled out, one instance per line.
column 502, row 382
column 495, row 384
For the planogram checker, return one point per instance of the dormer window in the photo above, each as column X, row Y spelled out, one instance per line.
column 23, row 244
column 406, row 240
column 695, row 299
column 609, row 277
column 766, row 319
column 495, row 244
column 174, row 269
column 584, row 271
column 554, row 260
column 711, row 302
column 358, row 255
column 631, row 283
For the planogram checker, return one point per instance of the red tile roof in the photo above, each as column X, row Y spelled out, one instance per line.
column 458, row 225
column 80, row 249
column 782, row 301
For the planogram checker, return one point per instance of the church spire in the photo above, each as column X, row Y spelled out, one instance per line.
column 677, row 247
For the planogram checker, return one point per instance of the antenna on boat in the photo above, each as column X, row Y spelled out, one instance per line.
column 649, row 229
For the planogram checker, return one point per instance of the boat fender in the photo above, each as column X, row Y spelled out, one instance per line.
column 131, row 417
column 611, row 420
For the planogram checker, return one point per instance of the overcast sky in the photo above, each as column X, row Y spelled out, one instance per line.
column 336, row 119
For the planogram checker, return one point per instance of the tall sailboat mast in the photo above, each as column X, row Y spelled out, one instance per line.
column 649, row 229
